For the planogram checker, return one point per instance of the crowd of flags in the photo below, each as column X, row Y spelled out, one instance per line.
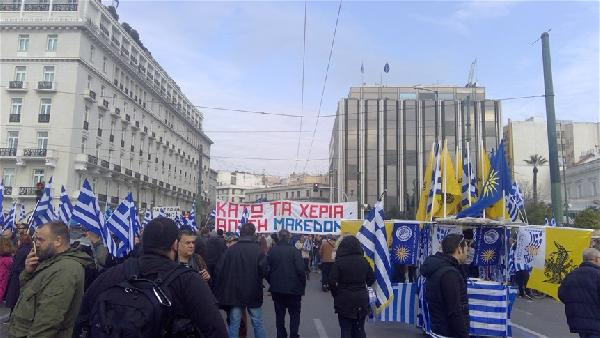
column 117, row 228
column 490, row 193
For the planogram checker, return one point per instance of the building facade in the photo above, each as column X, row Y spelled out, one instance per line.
column 81, row 98
column 583, row 184
column 232, row 185
column 382, row 136
column 313, row 192
column 575, row 141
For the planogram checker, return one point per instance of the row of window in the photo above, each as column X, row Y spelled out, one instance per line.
column 16, row 106
column 23, row 42
column 13, row 139
column 21, row 73
column 8, row 174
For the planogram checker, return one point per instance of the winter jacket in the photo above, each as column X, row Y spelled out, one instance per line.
column 240, row 273
column 286, row 270
column 580, row 291
column 5, row 264
column 190, row 296
column 13, row 287
column 100, row 254
column 446, row 296
column 215, row 247
column 326, row 250
column 348, row 280
column 50, row 297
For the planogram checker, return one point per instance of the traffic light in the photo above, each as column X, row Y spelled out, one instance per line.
column 39, row 191
column 316, row 187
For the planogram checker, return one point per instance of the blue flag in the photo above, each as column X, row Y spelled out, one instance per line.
column 405, row 243
column 497, row 181
column 489, row 245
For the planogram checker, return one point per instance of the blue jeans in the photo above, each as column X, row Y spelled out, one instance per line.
column 255, row 314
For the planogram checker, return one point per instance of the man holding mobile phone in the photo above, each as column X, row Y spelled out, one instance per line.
column 51, row 286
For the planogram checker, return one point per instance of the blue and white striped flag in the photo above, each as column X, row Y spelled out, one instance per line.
column 65, row 208
column 9, row 222
column 469, row 180
column 403, row 306
column 137, row 228
column 44, row 212
column 161, row 213
column 86, row 211
column 243, row 219
column 213, row 213
column 121, row 224
column 514, row 202
column 489, row 313
column 22, row 213
column 435, row 187
column 192, row 219
column 372, row 237
column 147, row 217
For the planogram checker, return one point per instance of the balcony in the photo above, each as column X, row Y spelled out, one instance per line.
column 7, row 191
column 92, row 159
column 10, row 7
column 37, row 7
column 115, row 41
column 99, row 132
column 146, row 178
column 126, row 91
column 137, row 176
column 8, row 152
column 43, row 118
column 117, row 168
column 90, row 95
column 114, row 200
column 128, row 172
column 31, row 152
column 27, row 191
column 116, row 113
column 127, row 118
column 135, row 125
column 46, row 86
column 160, row 139
column 101, row 198
column 14, row 118
column 141, row 153
column 152, row 135
column 104, row 164
column 86, row 125
column 154, row 180
column 145, row 130
column 104, row 30
column 132, row 149
column 161, row 184
column 64, row 7
column 122, row 143
column 111, row 138
column 104, row 105
column 168, row 186
column 124, row 51
column 16, row 86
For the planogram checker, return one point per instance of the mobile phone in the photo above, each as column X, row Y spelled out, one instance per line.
column 34, row 246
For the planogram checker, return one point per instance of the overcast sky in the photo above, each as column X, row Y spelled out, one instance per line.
column 248, row 55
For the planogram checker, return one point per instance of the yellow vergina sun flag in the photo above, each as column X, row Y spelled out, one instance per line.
column 563, row 253
column 422, row 210
column 450, row 200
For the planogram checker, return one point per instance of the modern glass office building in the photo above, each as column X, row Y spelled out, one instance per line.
column 382, row 136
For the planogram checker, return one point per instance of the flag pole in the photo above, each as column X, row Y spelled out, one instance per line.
column 482, row 150
column 469, row 172
column 444, row 173
column 433, row 182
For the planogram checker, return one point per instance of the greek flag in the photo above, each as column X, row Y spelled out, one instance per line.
column 121, row 224
column 135, row 221
column 1, row 203
column 180, row 221
column 402, row 308
column 9, row 222
column 192, row 219
column 22, row 213
column 489, row 309
column 161, row 213
column 550, row 223
column 423, row 318
column 87, row 212
column 243, row 219
column 469, row 180
column 213, row 213
column 147, row 217
column 65, row 208
column 372, row 237
column 435, row 187
column 514, row 202
column 44, row 212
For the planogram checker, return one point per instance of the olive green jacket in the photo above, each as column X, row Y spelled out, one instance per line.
column 50, row 297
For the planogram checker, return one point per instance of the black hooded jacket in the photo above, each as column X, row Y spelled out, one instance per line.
column 580, row 291
column 348, row 280
column 446, row 296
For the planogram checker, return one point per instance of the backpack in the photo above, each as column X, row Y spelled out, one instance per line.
column 135, row 308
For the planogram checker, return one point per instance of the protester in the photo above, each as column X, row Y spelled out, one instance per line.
column 51, row 286
column 446, row 288
column 190, row 298
column 7, row 251
column 238, row 281
column 305, row 247
column 326, row 253
column 13, row 287
column 202, row 241
column 350, row 275
column 316, row 257
column 580, row 291
column 99, row 251
column 215, row 247
column 187, row 257
column 264, row 246
column 287, row 282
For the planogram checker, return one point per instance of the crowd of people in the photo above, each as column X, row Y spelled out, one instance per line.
column 62, row 282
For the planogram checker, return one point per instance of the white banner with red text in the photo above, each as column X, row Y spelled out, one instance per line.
column 295, row 216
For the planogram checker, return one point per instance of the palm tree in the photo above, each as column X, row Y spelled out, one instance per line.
column 535, row 160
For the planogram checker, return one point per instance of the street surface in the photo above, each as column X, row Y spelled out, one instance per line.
column 539, row 318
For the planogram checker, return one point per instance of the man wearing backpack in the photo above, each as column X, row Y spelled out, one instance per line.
column 145, row 295
column 239, row 281
column 51, row 286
